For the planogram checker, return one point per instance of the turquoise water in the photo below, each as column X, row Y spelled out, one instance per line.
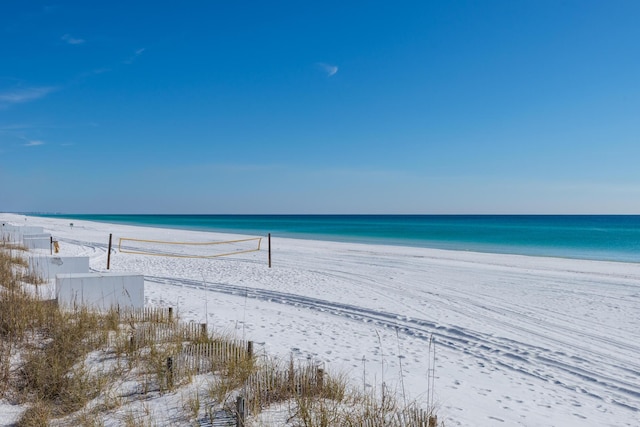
column 601, row 237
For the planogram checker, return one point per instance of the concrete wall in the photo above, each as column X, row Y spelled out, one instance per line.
column 100, row 290
column 46, row 267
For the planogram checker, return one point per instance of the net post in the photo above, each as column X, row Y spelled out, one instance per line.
column 109, row 252
column 269, row 240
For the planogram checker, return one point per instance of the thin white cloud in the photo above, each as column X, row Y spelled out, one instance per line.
column 72, row 40
column 135, row 55
column 14, row 127
column 33, row 143
column 328, row 68
column 22, row 95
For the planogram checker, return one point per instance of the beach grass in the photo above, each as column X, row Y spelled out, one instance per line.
column 74, row 365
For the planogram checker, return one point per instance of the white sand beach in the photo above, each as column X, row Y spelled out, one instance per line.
column 520, row 341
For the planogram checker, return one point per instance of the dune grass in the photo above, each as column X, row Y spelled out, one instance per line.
column 71, row 365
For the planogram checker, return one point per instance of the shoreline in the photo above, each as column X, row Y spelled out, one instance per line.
column 490, row 258
column 507, row 260
column 473, row 247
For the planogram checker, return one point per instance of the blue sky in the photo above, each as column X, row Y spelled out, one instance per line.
column 320, row 107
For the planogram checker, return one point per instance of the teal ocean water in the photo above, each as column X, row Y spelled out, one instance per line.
column 600, row 237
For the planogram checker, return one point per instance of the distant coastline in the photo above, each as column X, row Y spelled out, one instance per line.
column 595, row 237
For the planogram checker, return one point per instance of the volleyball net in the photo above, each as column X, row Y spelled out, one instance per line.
column 129, row 245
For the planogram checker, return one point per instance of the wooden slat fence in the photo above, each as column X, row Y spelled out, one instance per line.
column 202, row 353
column 146, row 314
column 166, row 332
column 268, row 386
column 409, row 417
column 140, row 328
column 210, row 356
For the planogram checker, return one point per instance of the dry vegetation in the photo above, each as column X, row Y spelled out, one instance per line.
column 76, row 366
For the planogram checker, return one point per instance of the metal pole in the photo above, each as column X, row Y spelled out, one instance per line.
column 269, row 240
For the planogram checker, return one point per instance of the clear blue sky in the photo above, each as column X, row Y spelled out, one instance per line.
column 320, row 107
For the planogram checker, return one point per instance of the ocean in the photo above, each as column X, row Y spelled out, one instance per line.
column 598, row 237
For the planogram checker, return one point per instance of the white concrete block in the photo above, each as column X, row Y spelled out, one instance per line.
column 14, row 233
column 31, row 229
column 47, row 267
column 100, row 290
column 37, row 243
column 7, row 232
column 36, row 236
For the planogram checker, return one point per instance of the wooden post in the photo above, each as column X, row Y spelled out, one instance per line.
column 241, row 410
column 109, row 252
column 51, row 244
column 320, row 378
column 250, row 349
column 291, row 375
column 170, row 314
column 269, row 241
column 169, row 372
column 203, row 330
